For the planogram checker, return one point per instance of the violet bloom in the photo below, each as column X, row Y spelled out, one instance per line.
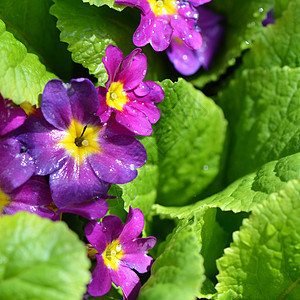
column 162, row 19
column 125, row 95
column 82, row 155
column 269, row 19
column 118, row 251
column 188, row 61
column 16, row 167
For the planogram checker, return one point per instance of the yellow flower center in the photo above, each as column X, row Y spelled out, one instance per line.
column 113, row 254
column 116, row 97
column 4, row 200
column 163, row 7
column 81, row 141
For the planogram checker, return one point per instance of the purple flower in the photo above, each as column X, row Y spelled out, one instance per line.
column 188, row 61
column 82, row 155
column 33, row 196
column 118, row 251
column 162, row 19
column 125, row 95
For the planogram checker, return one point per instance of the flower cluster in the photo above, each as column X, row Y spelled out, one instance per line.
column 64, row 157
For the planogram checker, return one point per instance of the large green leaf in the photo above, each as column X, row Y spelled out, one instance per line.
column 245, row 193
column 40, row 259
column 89, row 30
column 279, row 44
column 263, row 108
column 190, row 137
column 178, row 272
column 22, row 76
column 110, row 3
column 242, row 20
column 263, row 262
column 31, row 23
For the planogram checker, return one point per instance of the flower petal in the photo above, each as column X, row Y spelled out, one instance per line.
column 149, row 91
column 112, row 61
column 198, row 2
column 101, row 280
column 156, row 31
column 133, row 226
column 61, row 103
column 15, row 167
column 94, row 209
column 148, row 108
column 127, row 280
column 104, row 111
column 11, row 117
column 95, row 235
column 143, row 5
column 41, row 142
column 120, row 156
column 74, row 184
column 134, row 70
column 112, row 227
column 138, row 261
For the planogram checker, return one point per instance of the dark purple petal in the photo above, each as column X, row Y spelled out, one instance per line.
column 74, row 184
column 134, row 70
column 161, row 37
column 138, row 261
column 104, row 111
column 94, row 209
column 269, row 19
column 112, row 227
column 120, row 156
column 127, row 280
column 41, row 142
column 112, row 61
column 11, row 117
column 133, row 226
column 150, row 91
column 139, row 245
column 207, row 18
column 42, row 211
column 101, row 280
column 148, row 108
column 135, row 120
column 63, row 102
column 141, row 4
column 15, row 167
column 184, row 59
column 35, row 191
column 95, row 235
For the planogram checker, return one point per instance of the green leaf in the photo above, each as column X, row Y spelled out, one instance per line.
column 22, row 76
column 109, row 3
column 279, row 44
column 263, row 262
column 190, row 137
column 263, row 108
column 242, row 23
column 40, row 259
column 31, row 24
column 178, row 272
column 89, row 30
column 245, row 193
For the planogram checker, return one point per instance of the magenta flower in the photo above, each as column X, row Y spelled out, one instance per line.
column 81, row 155
column 126, row 95
column 163, row 19
column 119, row 250
column 188, row 61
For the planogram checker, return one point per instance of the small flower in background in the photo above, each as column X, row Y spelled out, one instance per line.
column 163, row 19
column 269, row 19
column 81, row 155
column 188, row 61
column 118, row 250
column 126, row 96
